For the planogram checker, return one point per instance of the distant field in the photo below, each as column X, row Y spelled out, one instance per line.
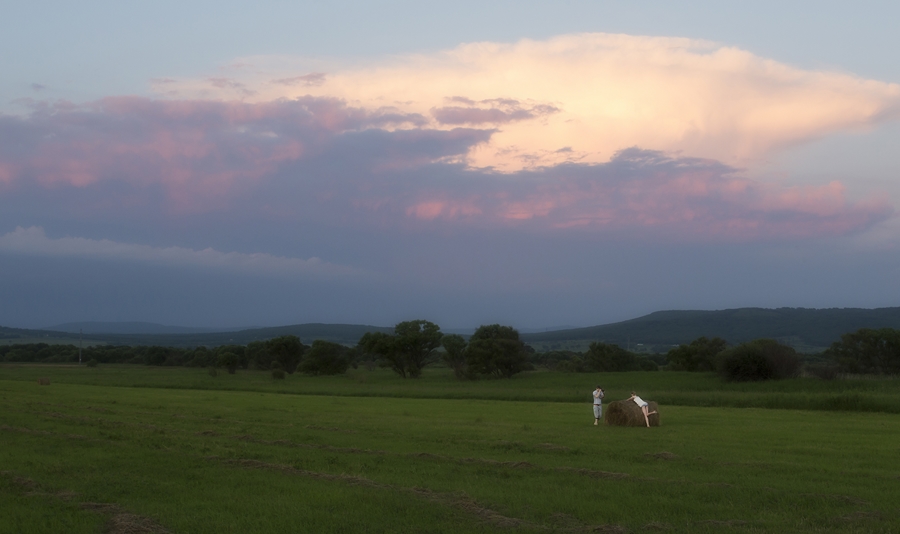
column 670, row 388
column 129, row 447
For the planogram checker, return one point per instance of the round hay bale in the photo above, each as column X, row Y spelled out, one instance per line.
column 44, row 381
column 627, row 413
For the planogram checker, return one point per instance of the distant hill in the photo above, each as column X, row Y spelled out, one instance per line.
column 347, row 334
column 806, row 329
column 97, row 327
column 339, row 333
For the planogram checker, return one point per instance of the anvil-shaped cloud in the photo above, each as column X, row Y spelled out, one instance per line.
column 583, row 97
column 585, row 133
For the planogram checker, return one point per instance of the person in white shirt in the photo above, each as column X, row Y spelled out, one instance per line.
column 598, row 405
column 644, row 407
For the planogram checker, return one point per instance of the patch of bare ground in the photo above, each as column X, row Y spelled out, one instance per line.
column 594, row 473
column 458, row 500
column 552, row 447
column 123, row 522
column 120, row 520
column 860, row 515
column 661, row 455
column 657, row 526
column 23, row 483
column 498, row 463
column 133, row 524
column 31, row 488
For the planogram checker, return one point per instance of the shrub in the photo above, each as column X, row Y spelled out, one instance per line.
column 762, row 359
column 92, row 363
column 278, row 374
column 213, row 372
column 325, row 358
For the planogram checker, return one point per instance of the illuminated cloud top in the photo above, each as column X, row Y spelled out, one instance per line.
column 585, row 97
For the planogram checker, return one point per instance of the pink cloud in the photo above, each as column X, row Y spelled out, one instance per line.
column 446, row 209
column 197, row 151
column 319, row 159
column 648, row 192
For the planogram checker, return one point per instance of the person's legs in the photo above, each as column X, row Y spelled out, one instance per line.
column 646, row 416
column 596, row 414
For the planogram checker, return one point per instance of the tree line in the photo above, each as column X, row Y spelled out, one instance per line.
column 494, row 351
column 866, row 351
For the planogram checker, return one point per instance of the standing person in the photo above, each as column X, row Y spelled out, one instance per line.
column 598, row 405
column 644, row 407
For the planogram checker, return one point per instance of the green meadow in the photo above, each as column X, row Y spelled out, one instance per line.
column 137, row 449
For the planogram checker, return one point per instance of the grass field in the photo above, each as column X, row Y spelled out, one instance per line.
column 175, row 450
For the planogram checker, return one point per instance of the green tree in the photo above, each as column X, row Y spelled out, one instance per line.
column 239, row 350
column 868, row 351
column 455, row 354
column 408, row 350
column 156, row 355
column 286, row 350
column 325, row 358
column 699, row 355
column 496, row 350
column 605, row 357
column 202, row 357
column 230, row 361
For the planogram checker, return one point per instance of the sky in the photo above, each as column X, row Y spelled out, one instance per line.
column 536, row 164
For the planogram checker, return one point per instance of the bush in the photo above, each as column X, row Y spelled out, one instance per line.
column 762, row 359
column 325, row 358
column 92, row 363
column 213, row 372
column 278, row 374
